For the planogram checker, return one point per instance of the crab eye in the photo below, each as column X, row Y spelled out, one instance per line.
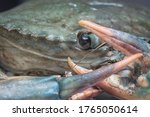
column 86, row 40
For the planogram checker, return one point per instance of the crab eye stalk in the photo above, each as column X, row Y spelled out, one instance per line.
column 86, row 40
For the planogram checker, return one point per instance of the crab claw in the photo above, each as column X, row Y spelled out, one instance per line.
column 70, row 85
column 119, row 85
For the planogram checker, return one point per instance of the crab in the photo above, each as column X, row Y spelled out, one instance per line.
column 36, row 37
column 89, row 83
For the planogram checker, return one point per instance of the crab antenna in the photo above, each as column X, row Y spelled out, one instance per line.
column 69, row 85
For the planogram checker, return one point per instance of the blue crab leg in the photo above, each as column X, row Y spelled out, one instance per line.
column 29, row 87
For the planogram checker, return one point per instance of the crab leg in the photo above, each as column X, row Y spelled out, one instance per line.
column 56, row 87
column 83, row 95
column 142, row 91
column 90, row 79
column 88, row 93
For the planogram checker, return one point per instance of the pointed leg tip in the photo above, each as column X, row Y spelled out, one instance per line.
column 85, row 23
column 68, row 59
column 77, row 69
column 81, row 22
column 139, row 55
column 70, row 62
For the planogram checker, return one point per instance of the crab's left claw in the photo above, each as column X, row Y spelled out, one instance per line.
column 122, row 41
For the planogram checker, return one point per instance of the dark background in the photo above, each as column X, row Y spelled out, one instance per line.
column 8, row 4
